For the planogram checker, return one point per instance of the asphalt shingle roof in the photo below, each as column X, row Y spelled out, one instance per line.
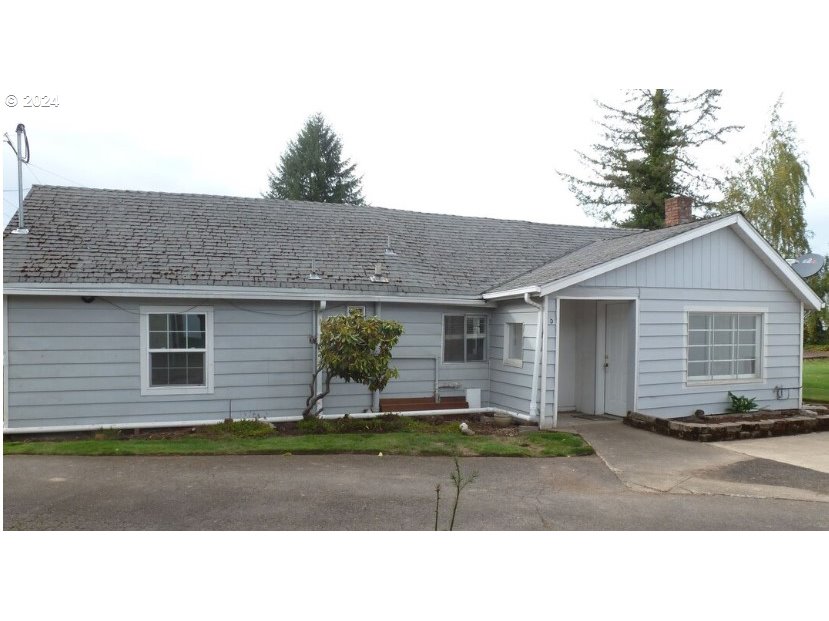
column 82, row 235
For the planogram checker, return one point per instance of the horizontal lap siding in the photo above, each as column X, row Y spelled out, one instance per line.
column 72, row 363
column 422, row 344
column 717, row 271
column 510, row 387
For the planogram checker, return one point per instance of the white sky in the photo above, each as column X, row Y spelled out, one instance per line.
column 467, row 109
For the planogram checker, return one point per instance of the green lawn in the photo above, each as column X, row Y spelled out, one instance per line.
column 816, row 380
column 418, row 440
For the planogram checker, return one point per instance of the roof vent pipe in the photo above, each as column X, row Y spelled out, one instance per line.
column 389, row 251
column 378, row 275
column 314, row 275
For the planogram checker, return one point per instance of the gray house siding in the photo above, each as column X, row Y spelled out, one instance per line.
column 72, row 363
column 510, row 387
column 714, row 272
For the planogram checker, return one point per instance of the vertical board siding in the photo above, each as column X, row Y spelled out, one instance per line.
column 510, row 386
column 72, row 363
column 717, row 271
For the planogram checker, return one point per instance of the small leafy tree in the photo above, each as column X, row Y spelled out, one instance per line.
column 356, row 349
column 312, row 168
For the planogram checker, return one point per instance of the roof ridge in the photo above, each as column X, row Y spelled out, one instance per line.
column 328, row 205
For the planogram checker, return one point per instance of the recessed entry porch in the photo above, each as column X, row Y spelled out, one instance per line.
column 596, row 361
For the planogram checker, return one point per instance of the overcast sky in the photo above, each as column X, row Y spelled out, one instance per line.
column 468, row 110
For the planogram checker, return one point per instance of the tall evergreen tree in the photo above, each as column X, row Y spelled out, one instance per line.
column 645, row 157
column 770, row 187
column 312, row 168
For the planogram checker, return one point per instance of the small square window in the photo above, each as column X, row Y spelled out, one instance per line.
column 464, row 338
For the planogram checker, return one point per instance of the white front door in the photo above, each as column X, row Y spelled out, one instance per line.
column 616, row 364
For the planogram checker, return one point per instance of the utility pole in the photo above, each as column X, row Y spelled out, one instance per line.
column 21, row 134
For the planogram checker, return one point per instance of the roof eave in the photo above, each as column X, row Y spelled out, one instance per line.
column 228, row 292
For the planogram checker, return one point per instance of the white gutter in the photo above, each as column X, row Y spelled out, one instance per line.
column 511, row 293
column 539, row 331
column 128, row 290
column 270, row 419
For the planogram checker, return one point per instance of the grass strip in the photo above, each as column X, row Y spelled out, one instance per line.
column 540, row 444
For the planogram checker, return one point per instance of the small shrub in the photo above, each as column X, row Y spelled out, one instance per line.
column 741, row 403
column 107, row 434
column 240, row 429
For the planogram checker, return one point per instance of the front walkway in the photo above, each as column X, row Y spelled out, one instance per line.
column 790, row 467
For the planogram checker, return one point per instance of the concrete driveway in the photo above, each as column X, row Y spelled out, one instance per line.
column 788, row 467
column 637, row 481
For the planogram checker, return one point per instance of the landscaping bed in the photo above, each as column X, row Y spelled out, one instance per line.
column 388, row 434
column 717, row 427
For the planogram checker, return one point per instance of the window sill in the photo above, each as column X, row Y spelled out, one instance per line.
column 168, row 391
column 725, row 382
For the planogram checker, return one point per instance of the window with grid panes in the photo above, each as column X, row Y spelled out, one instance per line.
column 724, row 346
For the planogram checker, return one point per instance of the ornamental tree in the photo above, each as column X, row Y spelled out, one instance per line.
column 353, row 348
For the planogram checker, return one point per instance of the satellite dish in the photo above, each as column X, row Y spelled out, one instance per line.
column 808, row 265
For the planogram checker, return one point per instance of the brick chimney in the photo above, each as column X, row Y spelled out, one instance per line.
column 678, row 210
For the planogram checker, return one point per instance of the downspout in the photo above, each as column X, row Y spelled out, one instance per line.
column 375, row 396
column 537, row 357
column 317, row 329
column 545, row 357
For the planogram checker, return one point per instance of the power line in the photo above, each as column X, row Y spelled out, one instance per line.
column 29, row 166
column 56, row 174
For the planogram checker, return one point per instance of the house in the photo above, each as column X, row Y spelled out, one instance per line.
column 138, row 309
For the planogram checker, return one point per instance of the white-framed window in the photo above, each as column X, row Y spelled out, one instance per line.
column 176, row 350
column 464, row 338
column 724, row 346
column 514, row 344
column 361, row 310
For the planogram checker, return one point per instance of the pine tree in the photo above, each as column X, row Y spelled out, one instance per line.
column 312, row 168
column 645, row 157
column 770, row 187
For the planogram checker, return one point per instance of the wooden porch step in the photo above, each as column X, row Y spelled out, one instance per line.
column 419, row 404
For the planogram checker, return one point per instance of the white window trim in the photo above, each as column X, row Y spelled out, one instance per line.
column 362, row 309
column 144, row 340
column 513, row 362
column 443, row 338
column 748, row 310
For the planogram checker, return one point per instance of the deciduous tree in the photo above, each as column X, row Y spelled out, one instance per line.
column 770, row 185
